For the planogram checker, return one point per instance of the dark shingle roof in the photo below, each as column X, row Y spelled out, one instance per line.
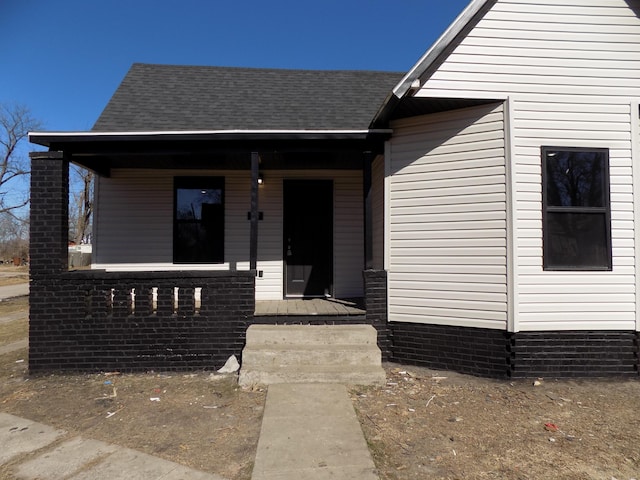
column 168, row 97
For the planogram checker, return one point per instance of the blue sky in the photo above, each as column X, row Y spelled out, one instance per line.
column 64, row 59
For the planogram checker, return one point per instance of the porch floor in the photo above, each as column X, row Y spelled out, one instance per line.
column 310, row 306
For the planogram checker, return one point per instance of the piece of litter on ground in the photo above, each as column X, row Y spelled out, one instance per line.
column 155, row 399
column 20, row 361
column 551, row 427
column 111, row 414
column 108, row 382
column 231, row 365
column 392, row 404
column 106, row 397
column 210, row 406
column 412, row 409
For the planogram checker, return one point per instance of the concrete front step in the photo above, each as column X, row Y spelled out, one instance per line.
column 369, row 375
column 311, row 354
column 311, row 335
column 291, row 355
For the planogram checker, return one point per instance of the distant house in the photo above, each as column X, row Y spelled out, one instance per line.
column 482, row 205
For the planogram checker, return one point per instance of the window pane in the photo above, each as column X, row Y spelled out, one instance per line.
column 189, row 201
column 575, row 178
column 577, row 240
column 198, row 220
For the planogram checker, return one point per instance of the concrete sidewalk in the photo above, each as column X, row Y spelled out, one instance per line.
column 12, row 291
column 311, row 431
column 33, row 451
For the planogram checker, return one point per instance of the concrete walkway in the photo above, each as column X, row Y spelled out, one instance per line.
column 311, row 431
column 33, row 451
column 12, row 291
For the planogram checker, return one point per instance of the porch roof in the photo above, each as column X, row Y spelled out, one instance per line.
column 155, row 97
column 278, row 149
column 162, row 116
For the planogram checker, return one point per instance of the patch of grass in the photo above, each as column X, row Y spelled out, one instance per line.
column 14, row 305
column 13, row 331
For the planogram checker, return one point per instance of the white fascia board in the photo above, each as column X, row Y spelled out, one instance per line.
column 47, row 138
column 440, row 46
column 202, row 132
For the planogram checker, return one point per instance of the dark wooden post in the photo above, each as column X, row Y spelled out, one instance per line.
column 253, row 235
column 368, row 214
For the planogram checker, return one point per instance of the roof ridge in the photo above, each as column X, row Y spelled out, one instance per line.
column 250, row 68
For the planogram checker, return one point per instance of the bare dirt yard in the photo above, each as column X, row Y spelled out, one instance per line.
column 423, row 424
column 441, row 425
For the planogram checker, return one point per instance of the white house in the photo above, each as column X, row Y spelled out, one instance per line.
column 487, row 195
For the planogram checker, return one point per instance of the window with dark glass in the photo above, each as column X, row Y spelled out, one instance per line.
column 576, row 209
column 198, row 231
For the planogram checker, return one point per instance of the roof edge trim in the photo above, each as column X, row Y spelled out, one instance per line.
column 441, row 45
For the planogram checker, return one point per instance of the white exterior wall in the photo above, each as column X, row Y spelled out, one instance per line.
column 447, row 224
column 134, row 225
column 570, row 72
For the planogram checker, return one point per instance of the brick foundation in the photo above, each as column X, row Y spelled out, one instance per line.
column 475, row 351
column 573, row 354
column 495, row 353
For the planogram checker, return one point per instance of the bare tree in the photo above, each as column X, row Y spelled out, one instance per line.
column 80, row 204
column 14, row 237
column 15, row 123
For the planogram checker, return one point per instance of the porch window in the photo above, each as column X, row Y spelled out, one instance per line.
column 576, row 209
column 198, row 225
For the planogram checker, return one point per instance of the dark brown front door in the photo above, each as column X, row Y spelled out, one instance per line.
column 308, row 238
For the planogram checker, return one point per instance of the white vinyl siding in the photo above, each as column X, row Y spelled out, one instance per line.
column 570, row 71
column 134, row 225
column 581, row 47
column 447, row 225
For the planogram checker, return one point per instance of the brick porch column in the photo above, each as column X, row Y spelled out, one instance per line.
column 49, row 230
column 48, row 253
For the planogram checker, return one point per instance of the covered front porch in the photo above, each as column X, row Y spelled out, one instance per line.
column 157, row 313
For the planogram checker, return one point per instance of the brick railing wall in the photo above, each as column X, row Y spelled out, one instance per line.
column 92, row 320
